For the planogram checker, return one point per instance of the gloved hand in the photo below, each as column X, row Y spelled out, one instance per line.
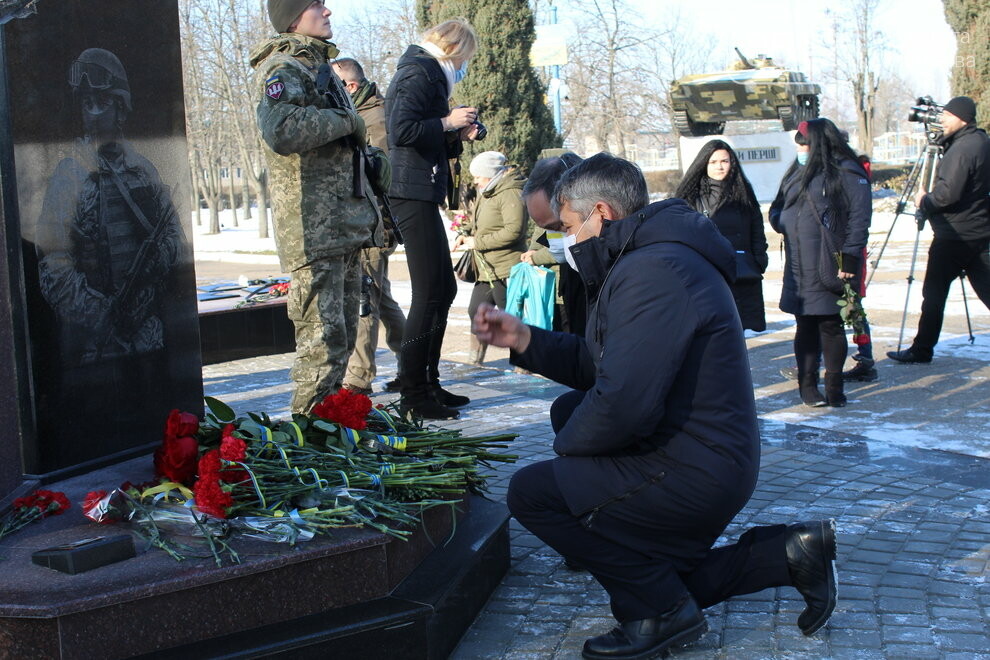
column 381, row 170
column 360, row 133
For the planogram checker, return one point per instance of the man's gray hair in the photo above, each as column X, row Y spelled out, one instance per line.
column 602, row 178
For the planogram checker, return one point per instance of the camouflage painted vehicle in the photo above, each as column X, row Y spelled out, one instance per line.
column 759, row 89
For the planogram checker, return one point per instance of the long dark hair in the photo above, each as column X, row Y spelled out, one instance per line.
column 828, row 154
column 736, row 188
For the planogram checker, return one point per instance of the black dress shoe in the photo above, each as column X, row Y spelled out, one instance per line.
column 648, row 638
column 810, row 550
column 449, row 399
column 910, row 356
column 393, row 385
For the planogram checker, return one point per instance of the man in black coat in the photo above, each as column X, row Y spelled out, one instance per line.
column 658, row 447
column 959, row 209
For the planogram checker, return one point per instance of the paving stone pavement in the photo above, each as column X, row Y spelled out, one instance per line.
column 914, row 540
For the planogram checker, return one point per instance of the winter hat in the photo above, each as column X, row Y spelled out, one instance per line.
column 962, row 107
column 282, row 13
column 487, row 164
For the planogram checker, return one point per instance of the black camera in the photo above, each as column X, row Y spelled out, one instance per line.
column 364, row 307
column 482, row 131
column 925, row 110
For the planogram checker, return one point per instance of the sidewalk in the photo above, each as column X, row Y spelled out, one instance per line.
column 914, row 530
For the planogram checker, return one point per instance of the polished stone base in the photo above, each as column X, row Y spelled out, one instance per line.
column 234, row 333
column 358, row 590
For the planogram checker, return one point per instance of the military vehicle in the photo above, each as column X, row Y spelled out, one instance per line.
column 760, row 89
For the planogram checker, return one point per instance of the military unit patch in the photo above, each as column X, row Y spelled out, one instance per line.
column 274, row 87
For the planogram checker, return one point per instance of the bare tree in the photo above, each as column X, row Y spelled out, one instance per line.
column 217, row 36
column 604, row 72
column 378, row 36
column 858, row 52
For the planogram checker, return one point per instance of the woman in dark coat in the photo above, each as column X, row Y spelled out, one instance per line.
column 716, row 186
column 824, row 196
column 423, row 133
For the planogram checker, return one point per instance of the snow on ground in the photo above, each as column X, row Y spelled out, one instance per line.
column 891, row 417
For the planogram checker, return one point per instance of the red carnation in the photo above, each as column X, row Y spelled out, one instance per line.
column 176, row 459
column 209, row 463
column 861, row 339
column 181, row 424
column 233, row 449
column 210, row 497
column 346, row 408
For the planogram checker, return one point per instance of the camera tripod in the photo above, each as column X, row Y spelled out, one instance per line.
column 924, row 166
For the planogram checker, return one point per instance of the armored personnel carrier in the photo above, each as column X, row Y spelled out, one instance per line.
column 757, row 89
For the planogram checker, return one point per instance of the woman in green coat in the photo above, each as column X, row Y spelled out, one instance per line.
column 497, row 233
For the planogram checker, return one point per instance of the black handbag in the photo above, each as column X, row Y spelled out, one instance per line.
column 464, row 269
column 747, row 269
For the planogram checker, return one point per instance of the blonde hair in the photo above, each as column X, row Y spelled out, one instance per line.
column 455, row 37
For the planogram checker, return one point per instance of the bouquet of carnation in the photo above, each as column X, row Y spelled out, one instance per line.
column 39, row 504
column 852, row 314
column 345, row 464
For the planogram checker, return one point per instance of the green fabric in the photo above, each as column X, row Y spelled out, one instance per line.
column 315, row 213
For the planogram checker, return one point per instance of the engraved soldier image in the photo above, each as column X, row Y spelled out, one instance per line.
column 108, row 239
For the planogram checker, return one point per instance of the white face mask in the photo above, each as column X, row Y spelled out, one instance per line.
column 556, row 241
column 569, row 241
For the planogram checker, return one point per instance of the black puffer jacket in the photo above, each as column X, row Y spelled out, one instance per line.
column 417, row 144
column 669, row 403
column 958, row 204
column 797, row 215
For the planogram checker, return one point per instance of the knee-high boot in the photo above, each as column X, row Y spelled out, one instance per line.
column 834, row 396
column 808, row 387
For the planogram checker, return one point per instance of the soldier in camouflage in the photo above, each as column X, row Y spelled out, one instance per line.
column 361, row 368
column 324, row 210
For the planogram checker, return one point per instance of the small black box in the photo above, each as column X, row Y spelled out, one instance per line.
column 86, row 554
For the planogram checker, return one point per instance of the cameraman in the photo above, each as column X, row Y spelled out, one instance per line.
column 959, row 210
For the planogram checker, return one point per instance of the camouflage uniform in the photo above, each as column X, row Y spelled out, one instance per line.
column 361, row 368
column 320, row 226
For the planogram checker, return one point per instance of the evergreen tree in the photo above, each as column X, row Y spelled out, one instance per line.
column 500, row 82
column 970, row 20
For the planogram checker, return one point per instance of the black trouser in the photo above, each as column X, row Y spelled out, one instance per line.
column 820, row 335
column 489, row 292
column 629, row 560
column 946, row 261
column 431, row 277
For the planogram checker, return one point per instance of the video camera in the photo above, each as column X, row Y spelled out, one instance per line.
column 928, row 112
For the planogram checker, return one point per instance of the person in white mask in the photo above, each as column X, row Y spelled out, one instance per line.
column 547, row 246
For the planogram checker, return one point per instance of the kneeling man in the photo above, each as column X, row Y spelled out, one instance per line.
column 658, row 446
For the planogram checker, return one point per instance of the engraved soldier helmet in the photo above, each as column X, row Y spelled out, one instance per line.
column 100, row 70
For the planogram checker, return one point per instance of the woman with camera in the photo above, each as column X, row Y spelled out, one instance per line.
column 497, row 234
column 716, row 186
column 823, row 209
column 423, row 134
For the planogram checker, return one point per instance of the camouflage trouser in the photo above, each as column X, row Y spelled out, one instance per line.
column 361, row 367
column 323, row 305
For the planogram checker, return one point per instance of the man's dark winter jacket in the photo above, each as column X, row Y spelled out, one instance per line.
column 796, row 213
column 417, row 145
column 669, row 398
column 958, row 204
